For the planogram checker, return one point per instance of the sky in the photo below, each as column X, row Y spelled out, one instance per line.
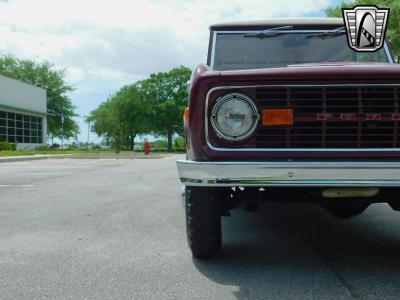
column 104, row 45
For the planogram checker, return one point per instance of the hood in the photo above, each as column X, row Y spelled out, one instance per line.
column 315, row 72
column 339, row 63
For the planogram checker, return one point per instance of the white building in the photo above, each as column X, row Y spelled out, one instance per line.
column 23, row 113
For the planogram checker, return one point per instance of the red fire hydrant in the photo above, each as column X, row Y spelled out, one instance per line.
column 147, row 147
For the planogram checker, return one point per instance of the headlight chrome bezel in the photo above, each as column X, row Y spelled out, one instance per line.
column 223, row 100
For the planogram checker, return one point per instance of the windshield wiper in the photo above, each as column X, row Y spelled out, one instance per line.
column 327, row 34
column 269, row 32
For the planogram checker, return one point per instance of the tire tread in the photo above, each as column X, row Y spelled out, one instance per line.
column 203, row 221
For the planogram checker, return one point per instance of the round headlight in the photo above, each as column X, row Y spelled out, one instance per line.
column 234, row 117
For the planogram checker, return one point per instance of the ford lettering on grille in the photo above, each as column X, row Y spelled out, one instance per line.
column 356, row 117
column 332, row 116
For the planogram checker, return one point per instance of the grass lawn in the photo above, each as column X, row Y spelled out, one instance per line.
column 36, row 152
column 75, row 151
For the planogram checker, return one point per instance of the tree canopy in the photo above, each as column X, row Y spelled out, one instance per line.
column 168, row 94
column 122, row 117
column 393, row 29
column 44, row 75
column 151, row 106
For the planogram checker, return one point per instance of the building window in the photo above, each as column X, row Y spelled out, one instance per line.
column 20, row 128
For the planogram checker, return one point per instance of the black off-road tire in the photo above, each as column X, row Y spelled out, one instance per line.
column 203, row 221
column 348, row 209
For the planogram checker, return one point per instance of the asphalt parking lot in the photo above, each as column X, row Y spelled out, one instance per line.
column 114, row 229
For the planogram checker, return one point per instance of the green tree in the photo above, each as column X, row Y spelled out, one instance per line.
column 134, row 112
column 44, row 75
column 122, row 117
column 179, row 143
column 393, row 30
column 107, row 124
column 168, row 93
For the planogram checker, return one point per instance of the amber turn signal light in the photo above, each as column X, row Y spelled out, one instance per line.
column 276, row 117
column 186, row 115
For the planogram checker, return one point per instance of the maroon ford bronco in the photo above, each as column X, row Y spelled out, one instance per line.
column 285, row 111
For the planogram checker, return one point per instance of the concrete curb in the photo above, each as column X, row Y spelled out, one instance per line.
column 79, row 156
column 22, row 158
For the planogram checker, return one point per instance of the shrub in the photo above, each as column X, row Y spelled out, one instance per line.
column 158, row 149
column 180, row 150
column 159, row 144
column 6, row 146
column 179, row 142
column 42, row 148
column 72, row 146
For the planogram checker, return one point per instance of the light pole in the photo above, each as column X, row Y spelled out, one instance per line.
column 62, row 130
column 50, row 101
column 88, row 134
column 86, row 118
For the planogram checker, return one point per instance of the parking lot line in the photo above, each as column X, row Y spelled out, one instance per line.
column 17, row 185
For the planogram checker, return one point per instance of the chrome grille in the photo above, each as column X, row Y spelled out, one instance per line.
column 337, row 102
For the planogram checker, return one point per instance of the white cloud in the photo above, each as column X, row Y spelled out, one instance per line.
column 106, row 44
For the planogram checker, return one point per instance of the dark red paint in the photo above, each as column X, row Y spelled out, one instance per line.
column 204, row 79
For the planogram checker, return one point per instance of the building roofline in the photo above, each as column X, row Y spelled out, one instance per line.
column 306, row 21
column 22, row 82
column 22, row 110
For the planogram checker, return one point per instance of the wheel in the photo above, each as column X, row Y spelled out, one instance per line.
column 203, row 221
column 346, row 210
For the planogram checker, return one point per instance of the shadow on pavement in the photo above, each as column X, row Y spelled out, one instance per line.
column 300, row 251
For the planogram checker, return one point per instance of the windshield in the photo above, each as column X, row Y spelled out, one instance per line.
column 236, row 51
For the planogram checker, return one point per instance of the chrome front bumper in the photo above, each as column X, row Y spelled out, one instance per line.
column 340, row 174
